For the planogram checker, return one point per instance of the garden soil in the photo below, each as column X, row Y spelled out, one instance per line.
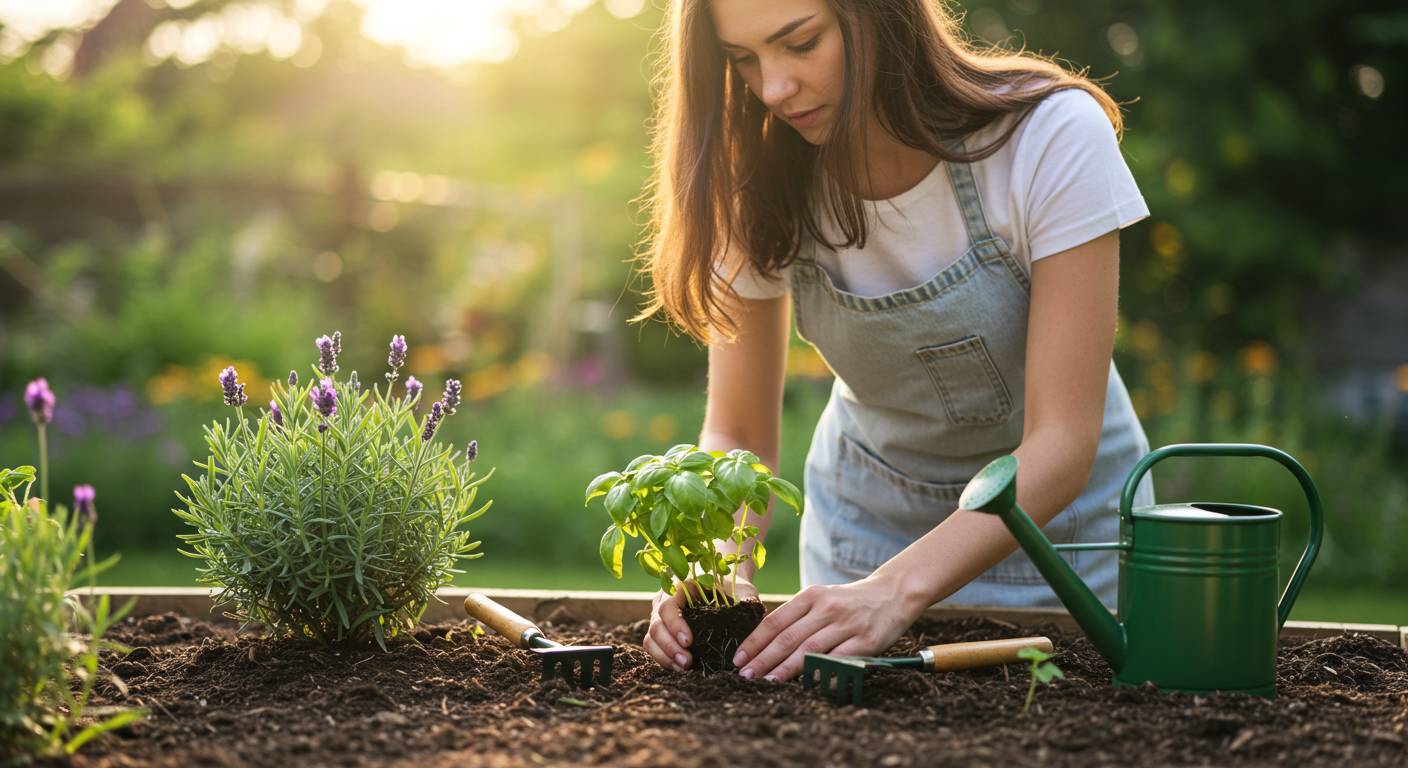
column 719, row 630
column 222, row 698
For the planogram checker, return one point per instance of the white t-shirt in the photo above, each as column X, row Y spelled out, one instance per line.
column 1060, row 181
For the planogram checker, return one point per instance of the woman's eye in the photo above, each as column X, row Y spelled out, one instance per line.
column 804, row 47
column 741, row 60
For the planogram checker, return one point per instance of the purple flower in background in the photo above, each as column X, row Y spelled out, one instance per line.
column 83, row 496
column 471, row 451
column 413, row 386
column 327, row 354
column 276, row 413
column 397, row 358
column 437, row 411
column 234, row 391
column 354, row 382
column 114, row 411
column 39, row 399
column 292, row 379
column 451, row 398
column 337, row 342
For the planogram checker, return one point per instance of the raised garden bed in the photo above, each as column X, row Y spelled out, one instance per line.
column 221, row 698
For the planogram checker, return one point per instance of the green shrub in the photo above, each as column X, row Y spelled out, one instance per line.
column 332, row 515
column 49, row 642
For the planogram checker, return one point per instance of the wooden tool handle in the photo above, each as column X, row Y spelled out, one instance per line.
column 500, row 619
column 983, row 653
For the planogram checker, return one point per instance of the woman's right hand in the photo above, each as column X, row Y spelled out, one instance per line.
column 669, row 637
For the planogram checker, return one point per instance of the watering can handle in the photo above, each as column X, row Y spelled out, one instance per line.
column 1317, row 518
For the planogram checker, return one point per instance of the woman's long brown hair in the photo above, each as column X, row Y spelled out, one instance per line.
column 726, row 169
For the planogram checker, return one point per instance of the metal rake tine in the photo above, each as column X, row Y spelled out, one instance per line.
column 857, row 681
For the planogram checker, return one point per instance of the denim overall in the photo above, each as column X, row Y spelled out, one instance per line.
column 930, row 388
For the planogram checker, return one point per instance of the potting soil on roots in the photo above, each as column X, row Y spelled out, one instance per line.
column 220, row 698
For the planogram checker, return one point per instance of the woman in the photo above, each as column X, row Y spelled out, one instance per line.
column 945, row 224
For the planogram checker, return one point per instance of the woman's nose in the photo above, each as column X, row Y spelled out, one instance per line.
column 779, row 85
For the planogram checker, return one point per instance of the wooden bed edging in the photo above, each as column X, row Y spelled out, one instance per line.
column 627, row 607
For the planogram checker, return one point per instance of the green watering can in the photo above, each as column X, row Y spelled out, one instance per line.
column 1198, row 611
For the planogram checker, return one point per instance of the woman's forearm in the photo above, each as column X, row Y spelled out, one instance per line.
column 1053, row 473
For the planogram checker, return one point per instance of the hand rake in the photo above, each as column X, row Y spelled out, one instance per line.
column 842, row 677
column 591, row 663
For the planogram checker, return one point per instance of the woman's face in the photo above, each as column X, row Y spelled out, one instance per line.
column 790, row 54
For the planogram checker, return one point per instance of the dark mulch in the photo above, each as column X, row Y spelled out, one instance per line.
column 218, row 698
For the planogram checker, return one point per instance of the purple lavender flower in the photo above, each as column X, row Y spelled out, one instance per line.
column 451, row 398
column 471, row 451
column 292, row 379
column 324, row 397
column 40, row 401
column 327, row 354
column 413, row 387
column 276, row 413
column 437, row 411
column 234, row 391
column 337, row 342
column 354, row 382
column 397, row 358
column 83, row 496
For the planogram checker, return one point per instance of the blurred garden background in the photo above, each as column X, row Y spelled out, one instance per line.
column 188, row 184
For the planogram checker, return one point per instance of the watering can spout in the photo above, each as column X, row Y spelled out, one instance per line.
column 994, row 491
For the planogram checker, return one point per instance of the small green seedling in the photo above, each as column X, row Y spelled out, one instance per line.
column 683, row 505
column 1043, row 671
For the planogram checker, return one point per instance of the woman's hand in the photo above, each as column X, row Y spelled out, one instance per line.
column 862, row 618
column 668, row 639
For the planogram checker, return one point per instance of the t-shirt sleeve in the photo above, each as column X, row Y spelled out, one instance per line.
column 748, row 283
column 1077, row 184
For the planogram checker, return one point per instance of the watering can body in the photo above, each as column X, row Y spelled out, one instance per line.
column 1198, row 583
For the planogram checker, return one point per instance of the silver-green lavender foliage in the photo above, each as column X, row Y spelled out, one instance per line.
column 49, row 641
column 336, row 527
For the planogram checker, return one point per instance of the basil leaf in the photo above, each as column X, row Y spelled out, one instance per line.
column 620, row 500
column 696, row 460
column 736, row 478
column 760, row 554
column 613, row 545
column 601, row 484
column 687, row 491
column 660, row 519
column 652, row 476
column 787, row 492
column 674, row 557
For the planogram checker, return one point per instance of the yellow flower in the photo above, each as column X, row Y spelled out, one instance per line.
column 1201, row 367
column 618, row 424
column 661, row 428
column 1258, row 358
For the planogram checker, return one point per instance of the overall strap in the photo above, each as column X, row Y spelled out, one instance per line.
column 965, row 187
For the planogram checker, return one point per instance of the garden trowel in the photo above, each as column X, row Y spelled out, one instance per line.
column 580, row 665
column 842, row 677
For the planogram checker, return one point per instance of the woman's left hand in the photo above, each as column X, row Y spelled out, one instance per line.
column 861, row 618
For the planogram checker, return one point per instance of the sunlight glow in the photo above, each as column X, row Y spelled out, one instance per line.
column 436, row 33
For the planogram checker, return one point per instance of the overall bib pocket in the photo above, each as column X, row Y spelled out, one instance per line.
column 880, row 510
column 963, row 373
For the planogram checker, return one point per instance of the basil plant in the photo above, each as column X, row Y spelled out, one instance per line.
column 683, row 505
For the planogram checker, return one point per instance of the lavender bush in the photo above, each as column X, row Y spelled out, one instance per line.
column 50, row 641
column 334, row 514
